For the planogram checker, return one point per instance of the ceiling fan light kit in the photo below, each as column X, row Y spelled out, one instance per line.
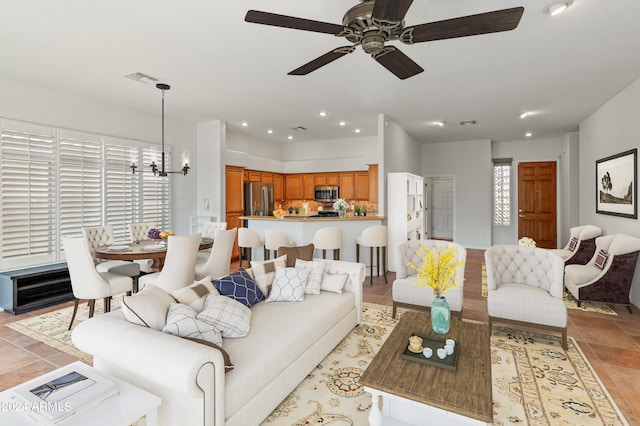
column 373, row 23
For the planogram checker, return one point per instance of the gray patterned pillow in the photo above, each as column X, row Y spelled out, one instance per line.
column 195, row 294
column 315, row 270
column 264, row 272
column 288, row 285
column 229, row 316
column 182, row 321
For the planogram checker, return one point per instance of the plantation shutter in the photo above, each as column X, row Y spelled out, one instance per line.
column 123, row 186
column 156, row 190
column 28, row 175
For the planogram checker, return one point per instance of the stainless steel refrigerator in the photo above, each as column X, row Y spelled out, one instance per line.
column 258, row 199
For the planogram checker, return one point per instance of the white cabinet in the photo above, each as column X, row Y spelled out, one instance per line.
column 405, row 212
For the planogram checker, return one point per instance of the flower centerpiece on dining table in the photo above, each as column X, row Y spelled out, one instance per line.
column 438, row 271
column 156, row 234
column 341, row 206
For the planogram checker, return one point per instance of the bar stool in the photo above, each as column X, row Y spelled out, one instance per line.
column 329, row 238
column 374, row 236
column 247, row 239
column 273, row 239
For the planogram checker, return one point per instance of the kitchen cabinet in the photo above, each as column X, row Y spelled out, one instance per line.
column 254, row 176
column 234, row 189
column 278, row 187
column 373, row 183
column 333, row 179
column 346, row 186
column 267, row 177
column 293, row 187
column 319, row 179
column 308, row 182
column 361, row 186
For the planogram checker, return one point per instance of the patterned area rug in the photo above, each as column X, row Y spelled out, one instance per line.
column 535, row 381
column 569, row 300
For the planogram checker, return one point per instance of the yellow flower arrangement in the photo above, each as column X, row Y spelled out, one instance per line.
column 438, row 269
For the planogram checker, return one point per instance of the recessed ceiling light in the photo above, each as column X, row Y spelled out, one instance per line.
column 289, row 137
column 525, row 114
column 468, row 122
column 357, row 130
column 439, row 123
column 244, row 124
column 343, row 123
column 270, row 131
column 528, row 134
column 557, row 7
column 323, row 113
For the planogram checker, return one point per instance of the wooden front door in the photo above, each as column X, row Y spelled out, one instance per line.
column 537, row 211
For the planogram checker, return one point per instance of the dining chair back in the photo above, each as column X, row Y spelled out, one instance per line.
column 103, row 236
column 86, row 282
column 219, row 260
column 179, row 265
column 139, row 232
column 211, row 227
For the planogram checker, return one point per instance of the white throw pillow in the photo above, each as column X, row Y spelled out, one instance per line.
column 195, row 294
column 333, row 282
column 182, row 321
column 229, row 316
column 288, row 285
column 264, row 272
column 315, row 270
column 148, row 307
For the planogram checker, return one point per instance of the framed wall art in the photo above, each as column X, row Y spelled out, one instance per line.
column 616, row 192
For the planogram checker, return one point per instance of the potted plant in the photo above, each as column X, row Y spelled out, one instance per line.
column 290, row 210
column 356, row 210
column 363, row 211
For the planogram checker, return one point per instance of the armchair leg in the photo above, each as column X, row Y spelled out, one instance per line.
column 75, row 309
column 393, row 314
column 565, row 344
column 92, row 307
column 629, row 309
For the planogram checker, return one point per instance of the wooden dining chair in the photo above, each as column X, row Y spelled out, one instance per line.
column 179, row 264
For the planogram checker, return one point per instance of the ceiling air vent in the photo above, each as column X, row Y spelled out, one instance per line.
column 141, row 78
column 298, row 128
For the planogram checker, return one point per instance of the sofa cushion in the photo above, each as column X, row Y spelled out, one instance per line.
column 195, row 294
column 288, row 285
column 601, row 259
column 182, row 321
column 278, row 340
column 333, row 282
column 239, row 286
column 293, row 253
column 523, row 302
column 315, row 271
column 229, row 316
column 148, row 307
column 265, row 271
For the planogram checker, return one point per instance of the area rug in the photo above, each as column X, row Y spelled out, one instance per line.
column 535, row 381
column 569, row 300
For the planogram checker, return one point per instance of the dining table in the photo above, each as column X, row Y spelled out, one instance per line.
column 145, row 249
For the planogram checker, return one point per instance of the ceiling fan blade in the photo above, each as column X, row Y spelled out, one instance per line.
column 397, row 62
column 482, row 23
column 266, row 18
column 323, row 60
column 390, row 10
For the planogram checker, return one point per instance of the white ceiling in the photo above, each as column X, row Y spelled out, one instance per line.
column 562, row 68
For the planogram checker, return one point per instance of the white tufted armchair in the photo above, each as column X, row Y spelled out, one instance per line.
column 525, row 287
column 406, row 294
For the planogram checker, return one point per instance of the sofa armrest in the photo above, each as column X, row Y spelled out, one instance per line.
column 356, row 273
column 158, row 358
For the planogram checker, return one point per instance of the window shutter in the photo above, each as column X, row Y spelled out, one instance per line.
column 156, row 190
column 123, row 186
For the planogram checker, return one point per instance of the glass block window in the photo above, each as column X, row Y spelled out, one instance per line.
column 502, row 192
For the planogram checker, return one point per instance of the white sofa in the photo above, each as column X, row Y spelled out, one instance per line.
column 286, row 342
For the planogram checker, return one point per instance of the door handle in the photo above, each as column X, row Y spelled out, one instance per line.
column 520, row 215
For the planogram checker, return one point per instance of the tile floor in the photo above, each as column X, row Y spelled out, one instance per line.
column 611, row 343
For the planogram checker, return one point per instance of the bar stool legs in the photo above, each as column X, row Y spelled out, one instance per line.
column 384, row 261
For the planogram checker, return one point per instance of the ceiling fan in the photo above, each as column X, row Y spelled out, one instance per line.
column 374, row 22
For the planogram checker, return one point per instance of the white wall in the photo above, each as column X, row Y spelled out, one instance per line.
column 400, row 149
column 612, row 129
column 570, row 186
column 522, row 151
column 210, row 170
column 330, row 156
column 470, row 163
column 26, row 102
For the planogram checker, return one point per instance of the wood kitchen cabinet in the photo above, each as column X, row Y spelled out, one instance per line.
column 255, row 176
column 347, row 186
column 293, row 187
column 361, row 186
column 333, row 179
column 266, row 177
column 278, row 187
column 308, row 183
column 373, row 183
column 234, row 200
column 319, row 179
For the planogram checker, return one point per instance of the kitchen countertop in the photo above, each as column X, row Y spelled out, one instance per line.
column 313, row 218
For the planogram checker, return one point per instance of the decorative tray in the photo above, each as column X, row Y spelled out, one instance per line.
column 450, row 362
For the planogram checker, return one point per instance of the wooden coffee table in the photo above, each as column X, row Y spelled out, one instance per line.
column 417, row 394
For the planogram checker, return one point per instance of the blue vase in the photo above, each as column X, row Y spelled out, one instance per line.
column 440, row 315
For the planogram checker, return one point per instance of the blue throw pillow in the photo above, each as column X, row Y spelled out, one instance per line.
column 239, row 286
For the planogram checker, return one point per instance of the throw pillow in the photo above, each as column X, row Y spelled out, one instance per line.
column 601, row 259
column 228, row 366
column 265, row 271
column 333, row 282
column 229, row 316
column 573, row 243
column 293, row 253
column 288, row 285
column 182, row 321
column 239, row 286
column 315, row 270
column 148, row 307
column 195, row 294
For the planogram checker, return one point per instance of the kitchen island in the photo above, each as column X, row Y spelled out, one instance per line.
column 300, row 229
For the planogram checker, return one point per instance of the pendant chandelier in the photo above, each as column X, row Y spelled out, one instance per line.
column 185, row 156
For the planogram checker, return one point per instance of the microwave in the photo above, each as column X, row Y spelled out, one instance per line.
column 326, row 194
